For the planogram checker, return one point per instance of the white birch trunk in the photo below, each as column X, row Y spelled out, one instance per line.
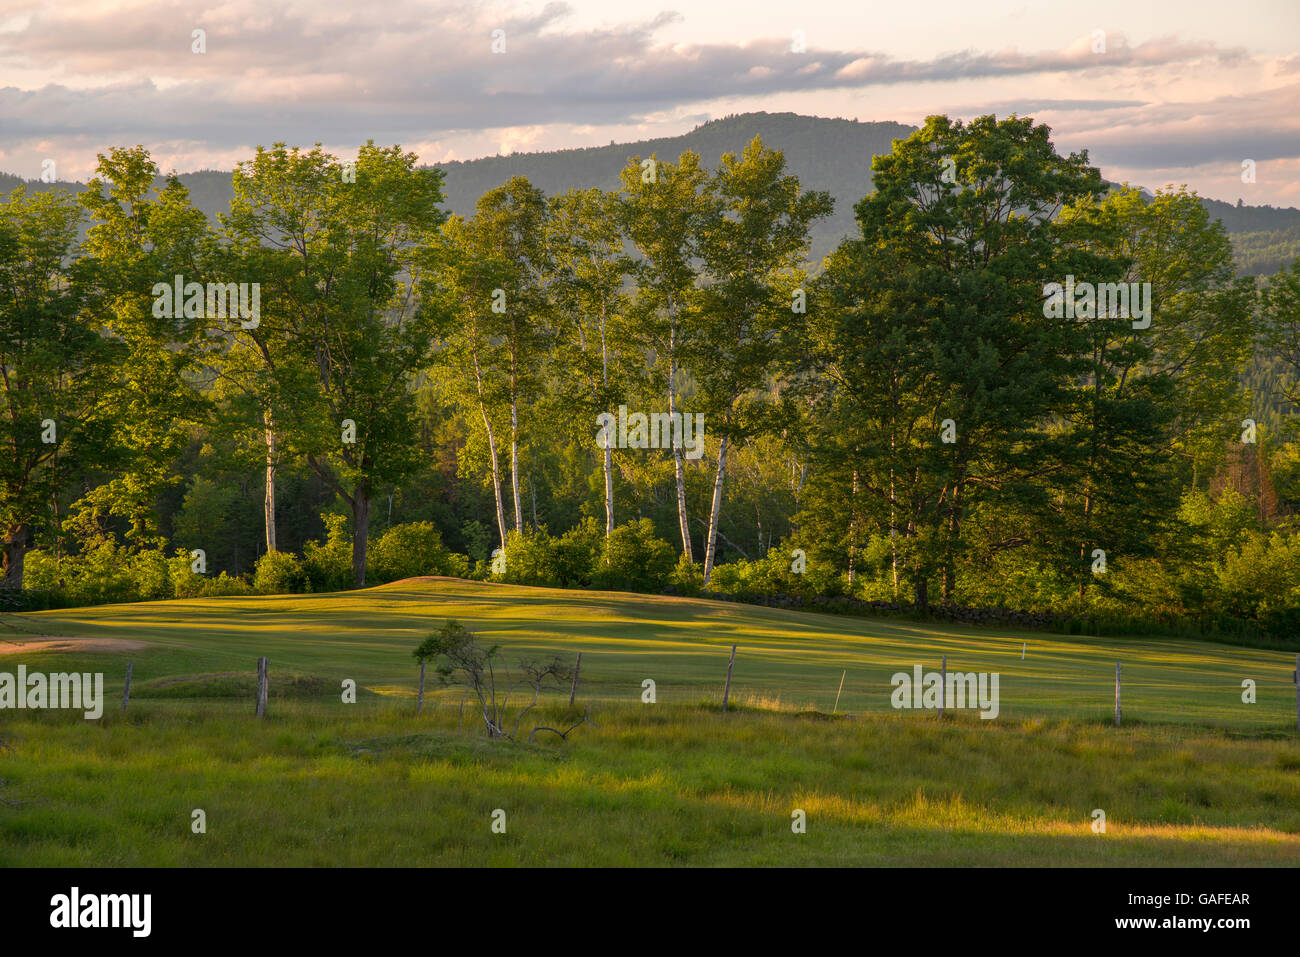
column 715, row 511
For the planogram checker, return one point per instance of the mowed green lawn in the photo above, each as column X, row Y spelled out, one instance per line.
column 1195, row 776
column 796, row 658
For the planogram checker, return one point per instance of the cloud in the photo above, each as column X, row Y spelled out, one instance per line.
column 311, row 71
column 302, row 71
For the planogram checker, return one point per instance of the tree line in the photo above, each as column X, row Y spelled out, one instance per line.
column 337, row 383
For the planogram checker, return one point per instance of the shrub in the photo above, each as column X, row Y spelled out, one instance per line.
column 457, row 565
column 727, row 579
column 407, row 551
column 1260, row 582
column 635, row 560
column 767, row 576
column 279, row 573
column 100, row 575
column 328, row 564
column 774, row 574
column 41, row 573
column 107, row 573
column 578, row 554
column 150, row 575
column 530, row 558
column 185, row 583
column 687, row 577
column 213, row 586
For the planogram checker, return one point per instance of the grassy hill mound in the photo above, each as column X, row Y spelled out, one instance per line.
column 791, row 657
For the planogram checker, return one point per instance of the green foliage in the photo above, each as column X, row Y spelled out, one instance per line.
column 578, row 553
column 670, row 288
column 107, row 572
column 687, row 577
column 1259, row 582
column 139, row 237
column 208, row 505
column 279, row 573
column 774, row 574
column 530, row 558
column 406, row 551
column 478, row 540
column 219, row 585
column 152, row 576
column 60, row 417
column 342, row 283
column 449, row 639
column 1266, row 252
column 328, row 564
column 636, row 559
column 101, row 574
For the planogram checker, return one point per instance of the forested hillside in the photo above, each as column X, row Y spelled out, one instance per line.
column 828, row 154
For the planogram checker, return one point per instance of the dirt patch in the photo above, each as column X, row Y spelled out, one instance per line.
column 11, row 646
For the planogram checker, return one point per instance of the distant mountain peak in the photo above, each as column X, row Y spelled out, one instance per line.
column 830, row 153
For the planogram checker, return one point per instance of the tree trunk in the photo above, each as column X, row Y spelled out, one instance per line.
column 921, row 592
column 893, row 507
column 609, row 451
column 496, row 476
column 360, row 533
column 15, row 550
column 514, row 461
column 268, row 505
column 954, row 535
column 492, row 449
column 609, row 490
column 853, row 530
column 715, row 512
column 1085, row 571
column 677, row 464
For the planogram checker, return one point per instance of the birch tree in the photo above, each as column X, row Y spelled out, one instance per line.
column 661, row 207
column 596, row 355
column 753, row 242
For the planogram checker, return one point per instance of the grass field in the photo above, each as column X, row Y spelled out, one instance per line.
column 1195, row 776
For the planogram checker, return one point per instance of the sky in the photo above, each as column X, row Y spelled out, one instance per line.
column 1157, row 92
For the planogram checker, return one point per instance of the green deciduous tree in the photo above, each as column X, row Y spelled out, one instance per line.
column 944, row 299
column 661, row 208
column 346, row 251
column 490, row 273
column 752, row 244
column 597, row 358
column 58, row 372
column 140, row 240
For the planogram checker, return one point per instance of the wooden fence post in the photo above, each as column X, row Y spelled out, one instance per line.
column 419, row 703
column 836, row 706
column 577, row 665
column 1117, row 694
column 126, row 692
column 726, row 692
column 1296, row 676
column 943, row 685
column 262, row 681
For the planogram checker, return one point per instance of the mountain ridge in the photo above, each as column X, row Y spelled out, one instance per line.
column 827, row 153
